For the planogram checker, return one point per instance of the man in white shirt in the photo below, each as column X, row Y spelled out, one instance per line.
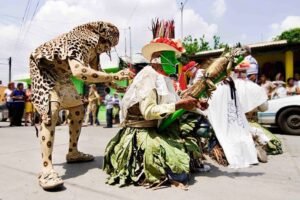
column 108, row 101
column 252, row 71
column 297, row 79
column 267, row 85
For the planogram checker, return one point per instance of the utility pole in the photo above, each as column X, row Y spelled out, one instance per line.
column 125, row 43
column 9, row 69
column 181, row 15
column 130, row 47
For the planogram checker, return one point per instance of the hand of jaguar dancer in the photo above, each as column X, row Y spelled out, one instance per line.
column 123, row 74
column 88, row 74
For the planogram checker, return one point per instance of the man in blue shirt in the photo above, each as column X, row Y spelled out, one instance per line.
column 18, row 96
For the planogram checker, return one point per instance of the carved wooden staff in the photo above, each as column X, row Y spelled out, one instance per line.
column 215, row 73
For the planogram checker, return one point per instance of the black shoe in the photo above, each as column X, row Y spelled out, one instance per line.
column 107, row 127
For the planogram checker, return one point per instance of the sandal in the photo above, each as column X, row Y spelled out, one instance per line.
column 79, row 157
column 50, row 180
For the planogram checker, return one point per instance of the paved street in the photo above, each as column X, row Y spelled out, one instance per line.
column 20, row 163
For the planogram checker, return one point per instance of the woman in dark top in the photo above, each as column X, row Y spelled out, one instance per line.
column 18, row 96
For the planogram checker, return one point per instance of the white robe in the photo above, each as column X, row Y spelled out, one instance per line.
column 231, row 128
column 250, row 95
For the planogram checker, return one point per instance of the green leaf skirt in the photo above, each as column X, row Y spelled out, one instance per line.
column 143, row 156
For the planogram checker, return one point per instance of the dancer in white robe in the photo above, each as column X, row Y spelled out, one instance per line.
column 231, row 127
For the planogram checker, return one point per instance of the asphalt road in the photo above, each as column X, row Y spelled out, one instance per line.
column 20, row 162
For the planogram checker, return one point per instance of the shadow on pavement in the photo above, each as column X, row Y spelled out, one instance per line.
column 78, row 169
column 59, row 189
column 216, row 172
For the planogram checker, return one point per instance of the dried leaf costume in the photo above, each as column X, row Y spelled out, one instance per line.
column 51, row 66
column 139, row 154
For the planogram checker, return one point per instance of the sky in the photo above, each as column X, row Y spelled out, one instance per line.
column 234, row 21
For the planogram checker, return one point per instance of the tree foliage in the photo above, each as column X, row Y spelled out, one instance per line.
column 194, row 45
column 292, row 35
column 218, row 44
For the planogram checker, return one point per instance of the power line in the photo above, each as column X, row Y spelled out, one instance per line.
column 22, row 23
column 10, row 20
column 133, row 11
column 30, row 22
column 43, row 20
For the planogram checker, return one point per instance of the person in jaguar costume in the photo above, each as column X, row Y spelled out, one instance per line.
column 75, row 53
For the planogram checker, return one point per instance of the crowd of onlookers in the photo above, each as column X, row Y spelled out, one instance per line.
column 18, row 101
column 19, row 105
column 93, row 101
column 279, row 88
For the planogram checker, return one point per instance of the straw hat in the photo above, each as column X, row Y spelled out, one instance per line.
column 162, row 44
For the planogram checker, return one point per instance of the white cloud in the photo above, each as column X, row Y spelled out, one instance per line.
column 59, row 16
column 194, row 25
column 288, row 23
column 218, row 8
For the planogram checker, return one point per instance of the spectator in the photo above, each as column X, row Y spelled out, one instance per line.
column 108, row 101
column 28, row 106
column 116, row 108
column 290, row 87
column 267, row 85
column 93, row 99
column 279, row 77
column 252, row 71
column 297, row 79
column 18, row 96
column 97, row 111
column 9, row 100
column 280, row 90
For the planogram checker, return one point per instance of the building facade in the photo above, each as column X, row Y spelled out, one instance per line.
column 273, row 57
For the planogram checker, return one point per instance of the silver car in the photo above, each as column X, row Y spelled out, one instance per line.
column 283, row 112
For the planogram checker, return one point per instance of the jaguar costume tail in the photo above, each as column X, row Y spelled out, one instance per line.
column 42, row 82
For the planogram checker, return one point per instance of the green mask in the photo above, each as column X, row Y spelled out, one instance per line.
column 169, row 62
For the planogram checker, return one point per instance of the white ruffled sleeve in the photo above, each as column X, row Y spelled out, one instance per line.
column 150, row 110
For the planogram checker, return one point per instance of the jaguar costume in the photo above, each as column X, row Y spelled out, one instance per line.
column 51, row 65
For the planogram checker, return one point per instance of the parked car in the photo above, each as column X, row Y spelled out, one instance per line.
column 3, row 112
column 283, row 112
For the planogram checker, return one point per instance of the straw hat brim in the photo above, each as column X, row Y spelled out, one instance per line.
column 151, row 48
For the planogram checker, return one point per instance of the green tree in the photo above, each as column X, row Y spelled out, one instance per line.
column 191, row 45
column 216, row 41
column 292, row 35
column 204, row 45
column 194, row 45
column 218, row 44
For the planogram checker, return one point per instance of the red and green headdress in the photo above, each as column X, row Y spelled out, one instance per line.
column 163, row 41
